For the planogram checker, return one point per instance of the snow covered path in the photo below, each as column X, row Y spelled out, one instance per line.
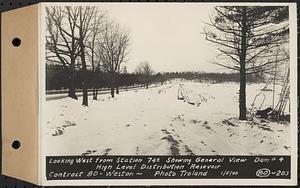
column 156, row 122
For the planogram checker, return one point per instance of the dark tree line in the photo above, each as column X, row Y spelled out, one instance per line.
column 212, row 77
column 57, row 78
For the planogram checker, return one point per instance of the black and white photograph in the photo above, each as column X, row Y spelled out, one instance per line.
column 167, row 79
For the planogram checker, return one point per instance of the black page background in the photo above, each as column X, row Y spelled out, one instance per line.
column 5, row 5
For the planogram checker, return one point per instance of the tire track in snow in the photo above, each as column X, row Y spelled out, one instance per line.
column 178, row 122
column 178, row 147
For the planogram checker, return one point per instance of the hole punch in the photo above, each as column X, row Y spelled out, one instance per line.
column 16, row 42
column 16, row 144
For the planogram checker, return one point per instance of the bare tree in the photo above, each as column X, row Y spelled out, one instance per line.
column 247, row 38
column 72, row 32
column 121, row 69
column 61, row 44
column 85, row 26
column 97, row 26
column 144, row 69
column 113, row 47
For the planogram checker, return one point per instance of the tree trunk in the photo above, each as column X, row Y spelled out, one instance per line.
column 84, row 75
column 95, row 93
column 72, row 92
column 112, row 85
column 95, row 84
column 117, row 84
column 242, row 94
column 112, row 91
column 84, row 86
column 82, row 57
column 147, row 81
column 85, row 94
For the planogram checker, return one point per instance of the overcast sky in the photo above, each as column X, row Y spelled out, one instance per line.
column 166, row 35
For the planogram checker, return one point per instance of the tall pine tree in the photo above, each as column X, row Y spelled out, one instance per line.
column 247, row 38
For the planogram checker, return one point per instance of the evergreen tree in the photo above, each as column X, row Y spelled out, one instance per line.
column 248, row 38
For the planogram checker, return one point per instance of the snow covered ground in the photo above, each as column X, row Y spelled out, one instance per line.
column 177, row 118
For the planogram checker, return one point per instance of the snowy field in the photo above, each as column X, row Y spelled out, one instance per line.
column 177, row 118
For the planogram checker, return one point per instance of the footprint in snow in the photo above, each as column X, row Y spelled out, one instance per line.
column 165, row 131
column 69, row 124
column 286, row 147
column 174, row 150
column 58, row 132
column 107, row 151
column 188, row 150
column 137, row 150
column 89, row 152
